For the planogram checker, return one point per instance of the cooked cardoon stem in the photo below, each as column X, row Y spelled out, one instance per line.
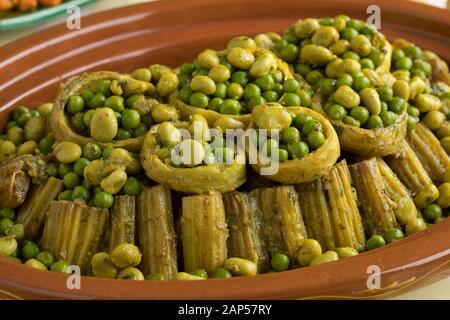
column 413, row 175
column 429, row 151
column 204, row 232
column 32, row 212
column 121, row 224
column 156, row 232
column 404, row 208
column 72, row 232
column 377, row 209
column 330, row 210
column 245, row 225
column 283, row 221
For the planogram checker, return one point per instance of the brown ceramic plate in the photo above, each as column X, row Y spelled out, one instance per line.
column 172, row 32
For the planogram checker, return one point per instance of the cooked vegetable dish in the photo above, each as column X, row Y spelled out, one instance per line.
column 280, row 151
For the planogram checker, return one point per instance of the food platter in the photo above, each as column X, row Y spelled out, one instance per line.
column 172, row 33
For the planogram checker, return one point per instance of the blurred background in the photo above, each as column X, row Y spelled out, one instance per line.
column 438, row 290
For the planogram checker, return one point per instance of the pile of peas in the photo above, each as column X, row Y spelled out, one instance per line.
column 106, row 113
column 409, row 61
column 27, row 133
column 204, row 148
column 298, row 140
column 333, row 55
column 15, row 248
column 235, row 82
column 70, row 164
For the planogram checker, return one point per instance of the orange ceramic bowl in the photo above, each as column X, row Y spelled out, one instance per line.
column 173, row 32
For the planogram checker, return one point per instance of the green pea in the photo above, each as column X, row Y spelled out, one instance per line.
column 305, row 98
column 351, row 55
column 116, row 103
column 301, row 119
column 65, row 195
column 313, row 77
column 392, row 235
column 360, row 83
column 280, row 262
column 413, row 111
column 64, row 168
column 123, row 134
column 255, row 101
column 82, row 193
column 5, row 225
column 75, row 104
column 7, row 213
column 315, row 139
column 19, row 111
column 302, row 69
column 132, row 187
column 79, row 166
column 403, row 63
column 355, row 24
column 103, row 200
column 291, row 85
column 251, row 90
column 235, row 91
column 60, row 266
column 130, row 119
column 348, row 33
column 199, row 100
column 51, row 169
column 280, row 44
column 187, row 68
column 11, row 124
column 423, row 66
column 97, row 101
column 163, row 153
column 240, row 77
column 374, row 121
column 291, row 99
column 328, row 86
column 270, row 96
column 397, row 54
column 106, row 153
column 360, row 113
column 384, row 107
column 71, row 180
column 46, row 258
column 277, row 76
column 17, row 230
column 265, row 82
column 230, row 106
column 290, row 135
column 298, row 149
column 24, row 118
column 419, row 73
column 413, row 52
column 103, row 87
column 376, row 57
column 368, row 30
column 221, row 273
column 283, row 155
column 397, row 105
column 385, row 93
column 337, row 112
column 77, row 122
column 367, row 63
column 432, row 212
column 155, row 276
column 200, row 273
column 289, row 53
column 214, row 104
column 278, row 88
column 30, row 250
column 344, row 80
column 376, row 241
column 141, row 129
column 388, row 118
column 87, row 94
column 91, row 151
